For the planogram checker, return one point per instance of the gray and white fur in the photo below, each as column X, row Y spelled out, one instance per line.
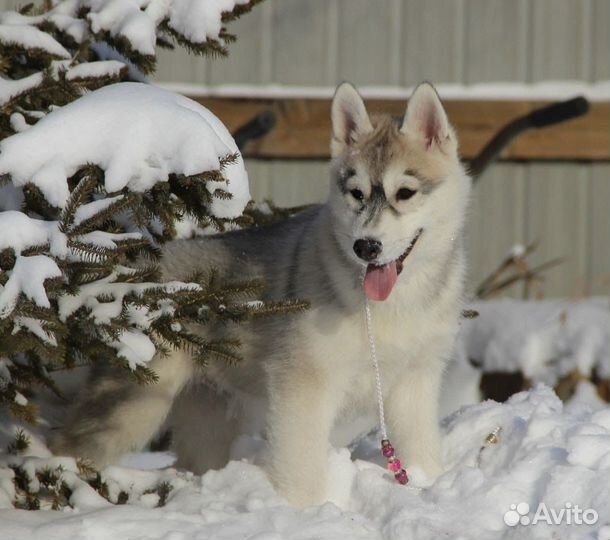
column 302, row 373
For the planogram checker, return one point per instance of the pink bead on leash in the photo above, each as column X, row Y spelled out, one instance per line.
column 394, row 464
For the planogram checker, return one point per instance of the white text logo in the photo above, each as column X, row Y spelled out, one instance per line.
column 570, row 514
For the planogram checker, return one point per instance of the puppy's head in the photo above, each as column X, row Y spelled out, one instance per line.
column 396, row 183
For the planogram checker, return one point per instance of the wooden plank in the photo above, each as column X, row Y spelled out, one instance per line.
column 303, row 127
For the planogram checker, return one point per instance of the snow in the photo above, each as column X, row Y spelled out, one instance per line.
column 197, row 20
column 27, row 277
column 510, row 91
column 549, row 457
column 105, row 239
column 135, row 347
column 31, row 37
column 20, row 399
column 123, row 18
column 518, row 250
column 62, row 16
column 545, row 340
column 137, row 133
column 35, row 327
column 18, row 122
column 87, row 211
column 200, row 20
column 12, row 88
column 101, row 68
column 103, row 312
column 134, row 20
column 20, row 232
column 546, row 453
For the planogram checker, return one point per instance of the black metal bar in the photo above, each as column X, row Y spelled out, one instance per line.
column 540, row 118
column 256, row 128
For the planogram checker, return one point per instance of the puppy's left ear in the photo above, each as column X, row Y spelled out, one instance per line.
column 349, row 118
column 426, row 118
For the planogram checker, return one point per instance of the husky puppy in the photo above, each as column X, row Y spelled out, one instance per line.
column 391, row 230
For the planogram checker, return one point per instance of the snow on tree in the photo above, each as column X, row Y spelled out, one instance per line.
column 49, row 55
column 93, row 181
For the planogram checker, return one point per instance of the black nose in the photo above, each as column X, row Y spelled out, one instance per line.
column 367, row 249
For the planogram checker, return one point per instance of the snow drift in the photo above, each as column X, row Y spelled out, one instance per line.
column 546, row 453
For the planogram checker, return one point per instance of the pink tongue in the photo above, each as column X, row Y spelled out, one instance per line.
column 380, row 280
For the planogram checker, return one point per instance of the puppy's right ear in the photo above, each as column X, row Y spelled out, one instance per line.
column 349, row 118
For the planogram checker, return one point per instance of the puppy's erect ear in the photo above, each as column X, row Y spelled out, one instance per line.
column 425, row 117
column 349, row 118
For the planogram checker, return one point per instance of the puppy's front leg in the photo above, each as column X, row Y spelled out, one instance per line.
column 301, row 412
column 413, row 410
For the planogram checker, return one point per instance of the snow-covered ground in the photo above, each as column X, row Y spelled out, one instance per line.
column 546, row 454
column 547, row 476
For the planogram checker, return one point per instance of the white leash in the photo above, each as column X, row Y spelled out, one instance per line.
column 378, row 389
column 387, row 449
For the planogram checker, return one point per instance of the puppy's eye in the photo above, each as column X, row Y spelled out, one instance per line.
column 357, row 194
column 405, row 193
column 347, row 173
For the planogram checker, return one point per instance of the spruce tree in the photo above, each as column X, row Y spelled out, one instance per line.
column 79, row 282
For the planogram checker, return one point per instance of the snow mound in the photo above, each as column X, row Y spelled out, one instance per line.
column 546, row 453
column 545, row 340
column 137, row 134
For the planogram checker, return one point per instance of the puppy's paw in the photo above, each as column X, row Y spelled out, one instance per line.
column 297, row 489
